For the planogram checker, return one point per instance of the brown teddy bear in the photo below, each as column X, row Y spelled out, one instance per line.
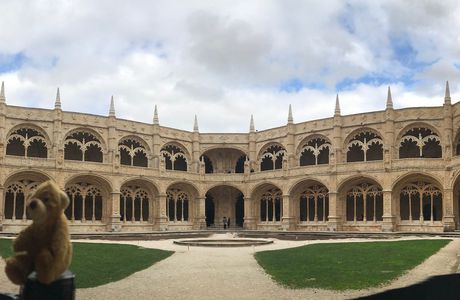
column 44, row 246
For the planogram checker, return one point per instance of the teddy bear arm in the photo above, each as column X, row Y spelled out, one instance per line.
column 24, row 241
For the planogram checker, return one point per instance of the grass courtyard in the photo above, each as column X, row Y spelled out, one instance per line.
column 97, row 264
column 341, row 266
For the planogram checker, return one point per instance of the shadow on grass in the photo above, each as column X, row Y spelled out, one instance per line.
column 98, row 264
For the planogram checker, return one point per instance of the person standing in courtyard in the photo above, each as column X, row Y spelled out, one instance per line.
column 225, row 222
column 228, row 223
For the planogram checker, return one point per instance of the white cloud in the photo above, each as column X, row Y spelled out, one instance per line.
column 226, row 60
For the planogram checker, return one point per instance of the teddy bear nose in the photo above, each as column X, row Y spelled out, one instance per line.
column 33, row 204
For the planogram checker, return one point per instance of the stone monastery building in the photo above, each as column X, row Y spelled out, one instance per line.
column 390, row 170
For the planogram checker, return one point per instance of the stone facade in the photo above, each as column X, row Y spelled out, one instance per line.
column 391, row 170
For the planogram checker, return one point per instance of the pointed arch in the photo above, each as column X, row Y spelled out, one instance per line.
column 314, row 150
column 18, row 186
column 27, row 140
column 133, row 151
column 84, row 144
column 175, row 156
column 419, row 140
column 271, row 156
column 364, row 144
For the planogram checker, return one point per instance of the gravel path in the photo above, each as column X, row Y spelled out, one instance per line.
column 229, row 273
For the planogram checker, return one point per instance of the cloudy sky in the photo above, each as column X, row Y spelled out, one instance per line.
column 226, row 60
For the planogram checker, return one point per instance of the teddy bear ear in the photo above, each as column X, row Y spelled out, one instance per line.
column 64, row 199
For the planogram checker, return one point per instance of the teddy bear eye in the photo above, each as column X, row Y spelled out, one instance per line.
column 45, row 199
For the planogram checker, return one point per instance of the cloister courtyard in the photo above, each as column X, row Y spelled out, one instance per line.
column 234, row 273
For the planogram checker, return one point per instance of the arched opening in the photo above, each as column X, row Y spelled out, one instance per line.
column 315, row 152
column 272, row 158
column 136, row 203
column 420, row 201
column 363, row 202
column 228, row 203
column 365, row 146
column 27, row 142
column 420, row 142
column 132, row 153
column 17, row 188
column 82, row 145
column 224, row 160
column 88, row 197
column 268, row 204
column 174, row 158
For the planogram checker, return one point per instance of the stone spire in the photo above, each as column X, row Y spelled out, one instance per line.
column 290, row 118
column 112, row 108
column 389, row 99
column 337, row 106
column 446, row 97
column 251, row 125
column 195, row 125
column 57, row 103
column 156, row 121
column 2, row 93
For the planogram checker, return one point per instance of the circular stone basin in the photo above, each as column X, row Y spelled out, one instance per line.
column 223, row 243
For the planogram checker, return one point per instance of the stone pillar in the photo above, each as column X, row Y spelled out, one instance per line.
column 162, row 217
column 114, row 222
column 200, row 222
column 389, row 217
column 287, row 220
column 448, row 220
column 333, row 224
column 249, row 218
column 2, row 205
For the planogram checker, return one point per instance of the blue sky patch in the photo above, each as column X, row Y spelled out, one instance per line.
column 11, row 62
column 295, row 85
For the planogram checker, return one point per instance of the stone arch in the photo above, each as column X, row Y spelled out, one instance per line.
column 268, row 203
column 419, row 197
column 175, row 156
column 313, row 150
column 419, row 140
column 224, row 160
column 90, row 199
column 181, row 202
column 310, row 200
column 271, row 156
column 361, row 199
column 364, row 144
column 224, row 202
column 27, row 140
column 137, row 201
column 133, row 151
column 17, row 187
column 84, row 144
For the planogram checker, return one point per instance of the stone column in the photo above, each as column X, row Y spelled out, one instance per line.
column 287, row 220
column 249, row 218
column 333, row 224
column 114, row 222
column 201, row 219
column 448, row 220
column 162, row 219
column 2, row 205
column 389, row 217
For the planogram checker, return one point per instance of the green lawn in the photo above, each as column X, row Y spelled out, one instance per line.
column 97, row 264
column 341, row 266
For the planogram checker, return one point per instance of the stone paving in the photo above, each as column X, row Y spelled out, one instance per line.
column 233, row 273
